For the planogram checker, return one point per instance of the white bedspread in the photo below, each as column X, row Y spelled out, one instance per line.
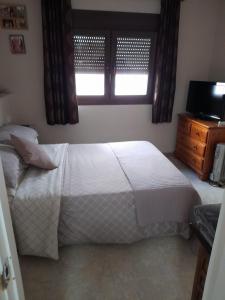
column 36, row 206
column 97, row 200
column 121, row 193
column 162, row 192
column 102, row 193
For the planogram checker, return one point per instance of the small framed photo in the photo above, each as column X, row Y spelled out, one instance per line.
column 17, row 44
column 13, row 16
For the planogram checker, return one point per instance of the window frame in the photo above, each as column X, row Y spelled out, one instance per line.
column 117, row 24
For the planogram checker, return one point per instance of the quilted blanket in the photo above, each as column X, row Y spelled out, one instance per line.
column 102, row 193
column 36, row 207
column 162, row 192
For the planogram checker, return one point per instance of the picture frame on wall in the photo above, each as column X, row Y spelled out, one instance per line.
column 13, row 16
column 17, row 44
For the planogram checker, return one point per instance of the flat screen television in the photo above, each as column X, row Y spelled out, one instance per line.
column 206, row 100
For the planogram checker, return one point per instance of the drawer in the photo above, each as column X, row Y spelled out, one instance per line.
column 194, row 145
column 195, row 162
column 189, row 158
column 199, row 133
column 184, row 126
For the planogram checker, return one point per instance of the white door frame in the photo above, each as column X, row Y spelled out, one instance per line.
column 215, row 280
column 8, row 247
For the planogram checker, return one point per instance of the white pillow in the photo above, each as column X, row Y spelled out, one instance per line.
column 18, row 130
column 32, row 153
column 13, row 167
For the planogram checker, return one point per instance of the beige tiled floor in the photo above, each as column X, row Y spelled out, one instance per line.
column 157, row 269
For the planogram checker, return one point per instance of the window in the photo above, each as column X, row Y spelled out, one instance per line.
column 132, row 65
column 89, row 64
column 113, row 66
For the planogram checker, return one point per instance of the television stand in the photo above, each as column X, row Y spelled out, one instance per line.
column 196, row 143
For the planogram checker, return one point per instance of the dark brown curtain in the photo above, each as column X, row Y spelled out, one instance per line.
column 59, row 83
column 166, row 62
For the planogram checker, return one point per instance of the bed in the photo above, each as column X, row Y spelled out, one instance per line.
column 100, row 193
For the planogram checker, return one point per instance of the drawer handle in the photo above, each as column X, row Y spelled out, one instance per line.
column 197, row 133
column 195, row 147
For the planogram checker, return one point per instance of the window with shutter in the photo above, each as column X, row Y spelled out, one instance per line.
column 89, row 64
column 132, row 65
column 114, row 57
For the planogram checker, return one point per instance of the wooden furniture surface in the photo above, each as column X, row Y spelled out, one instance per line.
column 200, row 273
column 196, row 143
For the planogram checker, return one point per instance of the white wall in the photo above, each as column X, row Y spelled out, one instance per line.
column 217, row 71
column 23, row 75
column 145, row 6
column 5, row 111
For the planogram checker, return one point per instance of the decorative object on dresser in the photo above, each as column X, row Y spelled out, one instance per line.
column 196, row 143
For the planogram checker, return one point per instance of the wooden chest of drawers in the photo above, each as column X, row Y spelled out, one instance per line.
column 196, row 142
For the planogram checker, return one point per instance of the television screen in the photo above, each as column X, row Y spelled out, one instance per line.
column 206, row 99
